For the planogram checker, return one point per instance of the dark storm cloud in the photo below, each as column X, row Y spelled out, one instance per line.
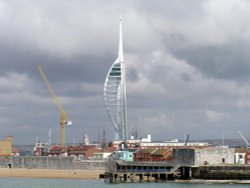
column 174, row 10
column 227, row 61
column 185, row 61
column 88, row 68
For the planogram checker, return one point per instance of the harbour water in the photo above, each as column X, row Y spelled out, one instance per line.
column 6, row 182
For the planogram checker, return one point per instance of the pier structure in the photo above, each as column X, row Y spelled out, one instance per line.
column 214, row 163
column 123, row 172
column 117, row 171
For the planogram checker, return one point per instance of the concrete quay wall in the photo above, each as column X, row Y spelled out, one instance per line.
column 45, row 162
column 222, row 172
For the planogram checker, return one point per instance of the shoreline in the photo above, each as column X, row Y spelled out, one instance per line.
column 204, row 181
column 90, row 174
column 50, row 173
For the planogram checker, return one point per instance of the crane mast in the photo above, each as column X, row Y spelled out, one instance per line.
column 63, row 115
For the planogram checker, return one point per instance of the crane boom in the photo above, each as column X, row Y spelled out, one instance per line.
column 244, row 139
column 63, row 115
column 186, row 139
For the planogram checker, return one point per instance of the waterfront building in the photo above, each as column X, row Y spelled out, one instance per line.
column 242, row 156
column 115, row 93
column 214, row 155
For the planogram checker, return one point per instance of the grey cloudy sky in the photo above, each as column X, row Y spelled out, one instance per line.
column 188, row 68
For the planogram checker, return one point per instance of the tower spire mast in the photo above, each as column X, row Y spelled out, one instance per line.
column 115, row 92
column 123, row 83
column 120, row 52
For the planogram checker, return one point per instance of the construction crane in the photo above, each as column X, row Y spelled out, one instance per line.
column 244, row 139
column 63, row 116
column 186, row 139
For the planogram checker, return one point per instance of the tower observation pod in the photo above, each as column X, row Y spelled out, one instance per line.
column 115, row 93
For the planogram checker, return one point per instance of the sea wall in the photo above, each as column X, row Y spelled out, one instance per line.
column 226, row 172
column 45, row 162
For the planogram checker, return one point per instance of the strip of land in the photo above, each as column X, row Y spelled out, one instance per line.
column 50, row 173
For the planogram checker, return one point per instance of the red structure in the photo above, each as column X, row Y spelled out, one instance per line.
column 153, row 154
column 248, row 157
column 162, row 155
column 143, row 154
column 242, row 155
column 85, row 151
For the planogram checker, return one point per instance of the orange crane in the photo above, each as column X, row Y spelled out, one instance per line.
column 63, row 116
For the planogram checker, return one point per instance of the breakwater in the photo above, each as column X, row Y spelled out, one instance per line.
column 50, row 162
column 222, row 172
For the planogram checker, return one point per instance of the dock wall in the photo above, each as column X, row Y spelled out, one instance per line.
column 45, row 162
column 233, row 172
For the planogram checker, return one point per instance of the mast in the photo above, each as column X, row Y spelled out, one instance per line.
column 120, row 50
column 123, row 82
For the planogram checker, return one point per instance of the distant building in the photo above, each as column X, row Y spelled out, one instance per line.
column 15, row 152
column 147, row 142
column 80, row 151
column 6, row 146
column 242, row 156
column 123, row 155
column 55, row 151
column 174, row 144
column 40, row 149
column 147, row 139
column 130, row 143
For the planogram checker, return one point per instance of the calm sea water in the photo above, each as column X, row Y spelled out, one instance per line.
column 66, row 183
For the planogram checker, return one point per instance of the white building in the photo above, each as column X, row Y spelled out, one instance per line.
column 214, row 156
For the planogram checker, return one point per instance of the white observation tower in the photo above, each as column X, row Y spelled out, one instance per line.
column 115, row 93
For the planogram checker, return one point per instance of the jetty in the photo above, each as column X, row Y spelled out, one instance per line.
column 184, row 166
column 120, row 171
